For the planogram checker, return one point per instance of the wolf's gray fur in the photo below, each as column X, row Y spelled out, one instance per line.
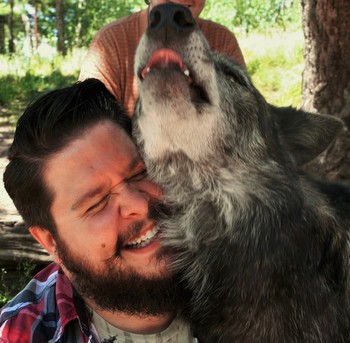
column 264, row 248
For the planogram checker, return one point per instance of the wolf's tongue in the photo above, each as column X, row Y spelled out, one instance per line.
column 164, row 59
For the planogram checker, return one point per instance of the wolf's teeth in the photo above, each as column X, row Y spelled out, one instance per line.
column 187, row 72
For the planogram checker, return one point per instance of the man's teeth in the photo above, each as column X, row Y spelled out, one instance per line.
column 144, row 239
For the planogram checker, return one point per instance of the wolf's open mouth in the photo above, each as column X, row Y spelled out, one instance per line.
column 165, row 59
column 170, row 59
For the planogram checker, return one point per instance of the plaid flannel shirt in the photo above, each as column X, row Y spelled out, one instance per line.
column 47, row 310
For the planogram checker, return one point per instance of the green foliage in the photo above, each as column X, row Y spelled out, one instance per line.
column 4, row 9
column 22, row 88
column 275, row 63
column 96, row 14
column 84, row 18
column 262, row 15
column 8, row 290
column 22, row 79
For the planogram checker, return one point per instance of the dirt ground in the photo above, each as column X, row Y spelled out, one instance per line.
column 8, row 212
column 16, row 244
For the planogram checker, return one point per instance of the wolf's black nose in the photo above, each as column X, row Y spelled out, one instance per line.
column 167, row 20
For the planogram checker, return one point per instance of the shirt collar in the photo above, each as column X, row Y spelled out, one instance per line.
column 70, row 306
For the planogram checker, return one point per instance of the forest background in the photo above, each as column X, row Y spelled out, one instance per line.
column 42, row 44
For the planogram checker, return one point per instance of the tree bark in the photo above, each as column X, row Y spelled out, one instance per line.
column 36, row 30
column 28, row 50
column 2, row 34
column 11, row 24
column 326, row 78
column 78, row 39
column 61, row 46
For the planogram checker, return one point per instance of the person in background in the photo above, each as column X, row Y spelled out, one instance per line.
column 110, row 57
column 80, row 185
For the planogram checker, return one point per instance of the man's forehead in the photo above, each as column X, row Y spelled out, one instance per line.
column 102, row 148
column 106, row 133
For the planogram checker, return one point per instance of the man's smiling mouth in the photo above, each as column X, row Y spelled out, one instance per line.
column 147, row 238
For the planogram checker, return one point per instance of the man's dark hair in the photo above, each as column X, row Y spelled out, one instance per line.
column 46, row 127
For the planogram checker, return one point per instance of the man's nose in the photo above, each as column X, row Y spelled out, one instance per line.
column 133, row 203
column 167, row 21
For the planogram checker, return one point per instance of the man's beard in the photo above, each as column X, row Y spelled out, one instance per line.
column 122, row 289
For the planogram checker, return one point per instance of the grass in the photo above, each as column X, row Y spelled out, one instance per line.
column 275, row 63
column 23, row 79
column 24, row 273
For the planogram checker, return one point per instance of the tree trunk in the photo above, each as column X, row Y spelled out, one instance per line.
column 2, row 34
column 78, row 39
column 28, row 45
column 36, row 31
column 11, row 24
column 326, row 78
column 61, row 46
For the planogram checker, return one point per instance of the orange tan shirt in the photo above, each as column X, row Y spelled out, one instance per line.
column 110, row 57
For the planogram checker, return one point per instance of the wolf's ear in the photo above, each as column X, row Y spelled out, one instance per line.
column 305, row 134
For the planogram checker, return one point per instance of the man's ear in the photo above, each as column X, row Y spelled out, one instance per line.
column 45, row 239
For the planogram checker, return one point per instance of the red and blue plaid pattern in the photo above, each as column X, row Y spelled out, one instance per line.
column 47, row 310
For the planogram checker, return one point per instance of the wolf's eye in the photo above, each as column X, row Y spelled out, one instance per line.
column 237, row 78
column 234, row 75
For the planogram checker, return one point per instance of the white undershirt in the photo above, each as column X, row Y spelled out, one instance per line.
column 177, row 332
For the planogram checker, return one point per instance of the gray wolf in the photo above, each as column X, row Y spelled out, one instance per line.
column 263, row 247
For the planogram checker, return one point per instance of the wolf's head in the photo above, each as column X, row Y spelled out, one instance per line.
column 198, row 105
